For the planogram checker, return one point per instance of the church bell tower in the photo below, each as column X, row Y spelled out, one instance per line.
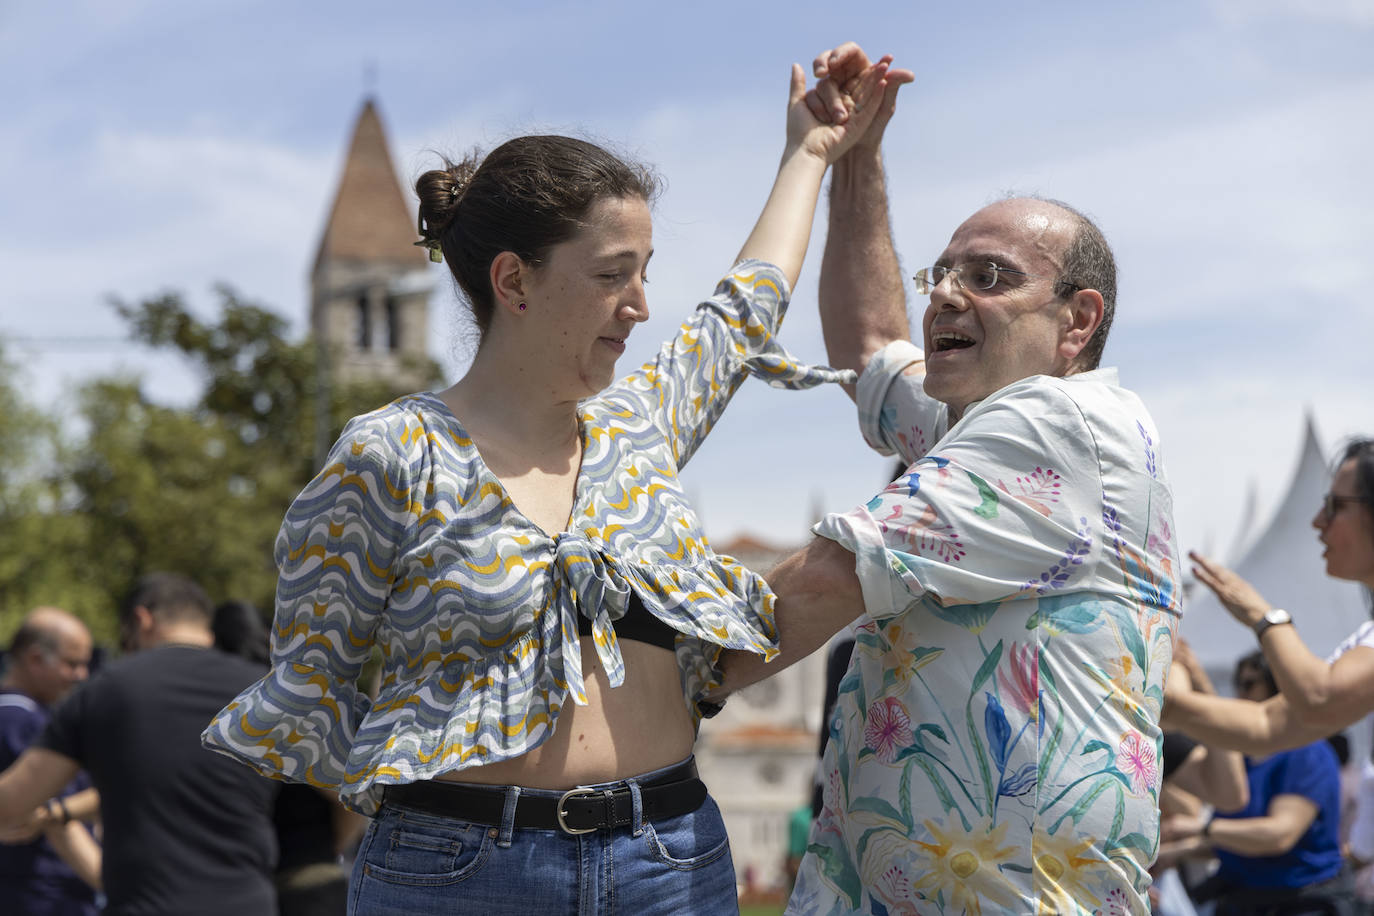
column 369, row 287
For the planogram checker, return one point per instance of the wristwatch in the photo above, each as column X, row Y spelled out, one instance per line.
column 1272, row 617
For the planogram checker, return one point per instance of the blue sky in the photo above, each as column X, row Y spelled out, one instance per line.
column 1223, row 146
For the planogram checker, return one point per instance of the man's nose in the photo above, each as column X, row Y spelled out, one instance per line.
column 949, row 294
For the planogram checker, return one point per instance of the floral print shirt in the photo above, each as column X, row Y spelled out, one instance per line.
column 407, row 542
column 995, row 745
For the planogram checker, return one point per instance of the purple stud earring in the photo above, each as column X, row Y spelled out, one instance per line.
column 521, row 306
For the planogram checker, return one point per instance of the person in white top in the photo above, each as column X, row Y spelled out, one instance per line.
column 1316, row 697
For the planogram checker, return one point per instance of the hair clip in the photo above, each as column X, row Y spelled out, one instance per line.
column 436, row 254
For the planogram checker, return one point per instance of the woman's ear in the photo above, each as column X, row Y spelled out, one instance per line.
column 509, row 278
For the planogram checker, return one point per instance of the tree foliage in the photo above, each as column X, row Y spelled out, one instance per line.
column 134, row 486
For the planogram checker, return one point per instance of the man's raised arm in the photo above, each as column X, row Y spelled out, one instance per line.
column 862, row 297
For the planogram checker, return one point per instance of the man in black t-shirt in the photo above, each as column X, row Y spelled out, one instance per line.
column 186, row 830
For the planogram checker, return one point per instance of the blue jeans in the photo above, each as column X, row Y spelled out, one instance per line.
column 412, row 862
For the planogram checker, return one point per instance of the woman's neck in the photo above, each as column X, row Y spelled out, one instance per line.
column 510, row 400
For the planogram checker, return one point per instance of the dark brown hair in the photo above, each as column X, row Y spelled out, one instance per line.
column 1255, row 663
column 168, row 596
column 526, row 196
column 1361, row 451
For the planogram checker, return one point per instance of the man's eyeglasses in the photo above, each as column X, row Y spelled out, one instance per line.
column 1332, row 503
column 975, row 276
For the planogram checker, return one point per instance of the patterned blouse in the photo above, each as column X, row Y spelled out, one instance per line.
column 995, row 743
column 407, row 541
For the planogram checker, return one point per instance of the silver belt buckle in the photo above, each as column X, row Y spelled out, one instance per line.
column 562, row 815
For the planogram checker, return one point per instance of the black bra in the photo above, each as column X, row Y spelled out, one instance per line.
column 638, row 624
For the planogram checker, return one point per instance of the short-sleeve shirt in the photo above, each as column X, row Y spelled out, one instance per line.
column 1363, row 636
column 1311, row 772
column 407, row 542
column 186, row 831
column 995, row 745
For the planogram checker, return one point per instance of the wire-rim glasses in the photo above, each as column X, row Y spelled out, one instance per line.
column 974, row 277
column 1333, row 502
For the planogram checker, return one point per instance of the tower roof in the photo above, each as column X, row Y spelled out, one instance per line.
column 370, row 219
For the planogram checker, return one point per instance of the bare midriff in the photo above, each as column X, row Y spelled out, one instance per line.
column 642, row 725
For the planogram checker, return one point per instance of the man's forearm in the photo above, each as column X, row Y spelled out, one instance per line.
column 862, row 297
column 36, row 776
column 83, row 805
column 1266, row 835
column 75, row 846
column 1223, row 776
column 818, row 594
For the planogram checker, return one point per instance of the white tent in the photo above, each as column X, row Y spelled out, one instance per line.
column 1284, row 562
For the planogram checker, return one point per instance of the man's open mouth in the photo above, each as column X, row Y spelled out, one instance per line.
column 950, row 340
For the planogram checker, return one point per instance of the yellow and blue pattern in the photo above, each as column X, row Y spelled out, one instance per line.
column 407, row 542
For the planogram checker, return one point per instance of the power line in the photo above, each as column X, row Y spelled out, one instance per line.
column 67, row 342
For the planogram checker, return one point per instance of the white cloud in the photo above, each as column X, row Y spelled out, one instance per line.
column 172, row 210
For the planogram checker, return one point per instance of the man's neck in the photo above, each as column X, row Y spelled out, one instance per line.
column 181, row 634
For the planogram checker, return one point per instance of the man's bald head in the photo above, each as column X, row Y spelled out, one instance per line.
column 49, row 654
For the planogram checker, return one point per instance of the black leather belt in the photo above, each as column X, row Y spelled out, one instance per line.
column 672, row 793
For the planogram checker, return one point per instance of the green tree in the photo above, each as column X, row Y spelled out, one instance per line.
column 197, row 489
column 37, row 537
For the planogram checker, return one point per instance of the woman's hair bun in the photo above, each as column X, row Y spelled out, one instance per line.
column 440, row 191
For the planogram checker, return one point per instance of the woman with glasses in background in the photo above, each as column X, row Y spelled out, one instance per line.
column 1317, row 697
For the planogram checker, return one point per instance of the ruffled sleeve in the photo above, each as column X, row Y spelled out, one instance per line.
column 730, row 337
column 724, row 606
column 335, row 554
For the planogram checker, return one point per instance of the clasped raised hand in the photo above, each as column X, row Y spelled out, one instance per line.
column 840, row 72
column 833, row 117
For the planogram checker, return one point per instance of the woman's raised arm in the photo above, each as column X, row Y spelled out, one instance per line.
column 783, row 230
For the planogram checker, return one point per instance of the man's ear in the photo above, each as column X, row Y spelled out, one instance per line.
column 1082, row 317
column 509, row 278
column 143, row 619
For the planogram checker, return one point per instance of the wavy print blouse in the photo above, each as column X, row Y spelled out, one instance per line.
column 406, row 541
